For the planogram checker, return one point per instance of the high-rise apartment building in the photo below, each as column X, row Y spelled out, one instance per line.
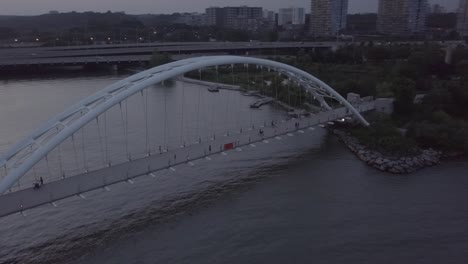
column 214, row 16
column 269, row 16
column 298, row 16
column 328, row 17
column 402, row 17
column 242, row 17
column 462, row 21
column 284, row 16
column 292, row 15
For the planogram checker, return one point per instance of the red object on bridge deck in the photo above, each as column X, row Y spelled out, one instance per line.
column 228, row 146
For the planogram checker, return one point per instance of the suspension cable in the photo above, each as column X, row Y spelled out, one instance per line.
column 48, row 166
column 35, row 174
column 5, row 170
column 106, row 143
column 263, row 80
column 83, row 152
column 126, row 131
column 182, row 106
column 228, row 99
column 60, row 159
column 75, row 153
column 100, row 141
column 198, row 107
column 144, row 98
column 239, row 111
column 276, row 83
column 165, row 118
column 213, row 106
column 62, row 173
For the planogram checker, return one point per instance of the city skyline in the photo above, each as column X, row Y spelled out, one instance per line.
column 24, row 7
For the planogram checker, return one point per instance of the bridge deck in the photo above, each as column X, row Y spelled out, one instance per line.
column 29, row 198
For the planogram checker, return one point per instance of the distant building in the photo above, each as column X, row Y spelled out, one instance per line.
column 298, row 16
column 438, row 9
column 402, row 17
column 462, row 21
column 191, row 19
column 269, row 18
column 243, row 17
column 214, row 16
column 292, row 15
column 328, row 17
column 284, row 16
column 269, row 15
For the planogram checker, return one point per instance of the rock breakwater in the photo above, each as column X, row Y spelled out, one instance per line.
column 391, row 164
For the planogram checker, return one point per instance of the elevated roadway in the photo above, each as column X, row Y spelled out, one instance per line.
column 138, row 53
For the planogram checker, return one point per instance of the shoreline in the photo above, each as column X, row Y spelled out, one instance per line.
column 263, row 100
column 390, row 164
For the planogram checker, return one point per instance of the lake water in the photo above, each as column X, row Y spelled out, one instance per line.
column 302, row 199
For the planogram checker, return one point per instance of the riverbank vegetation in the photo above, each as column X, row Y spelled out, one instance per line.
column 437, row 118
column 431, row 96
column 384, row 136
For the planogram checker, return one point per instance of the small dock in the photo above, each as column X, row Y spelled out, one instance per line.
column 211, row 85
column 261, row 102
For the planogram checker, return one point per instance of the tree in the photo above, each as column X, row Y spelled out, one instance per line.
column 404, row 92
column 159, row 58
column 378, row 54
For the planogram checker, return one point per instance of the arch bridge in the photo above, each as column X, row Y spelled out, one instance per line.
column 20, row 163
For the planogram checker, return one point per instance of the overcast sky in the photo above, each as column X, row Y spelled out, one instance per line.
column 34, row 7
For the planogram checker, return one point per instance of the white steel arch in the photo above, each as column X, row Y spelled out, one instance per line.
column 25, row 154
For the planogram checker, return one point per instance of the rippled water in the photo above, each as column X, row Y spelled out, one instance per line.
column 302, row 199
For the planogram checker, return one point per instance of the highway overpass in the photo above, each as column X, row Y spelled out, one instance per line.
column 141, row 53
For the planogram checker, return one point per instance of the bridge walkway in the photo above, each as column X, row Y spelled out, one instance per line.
column 19, row 201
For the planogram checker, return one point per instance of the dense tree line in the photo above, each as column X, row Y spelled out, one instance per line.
column 402, row 71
